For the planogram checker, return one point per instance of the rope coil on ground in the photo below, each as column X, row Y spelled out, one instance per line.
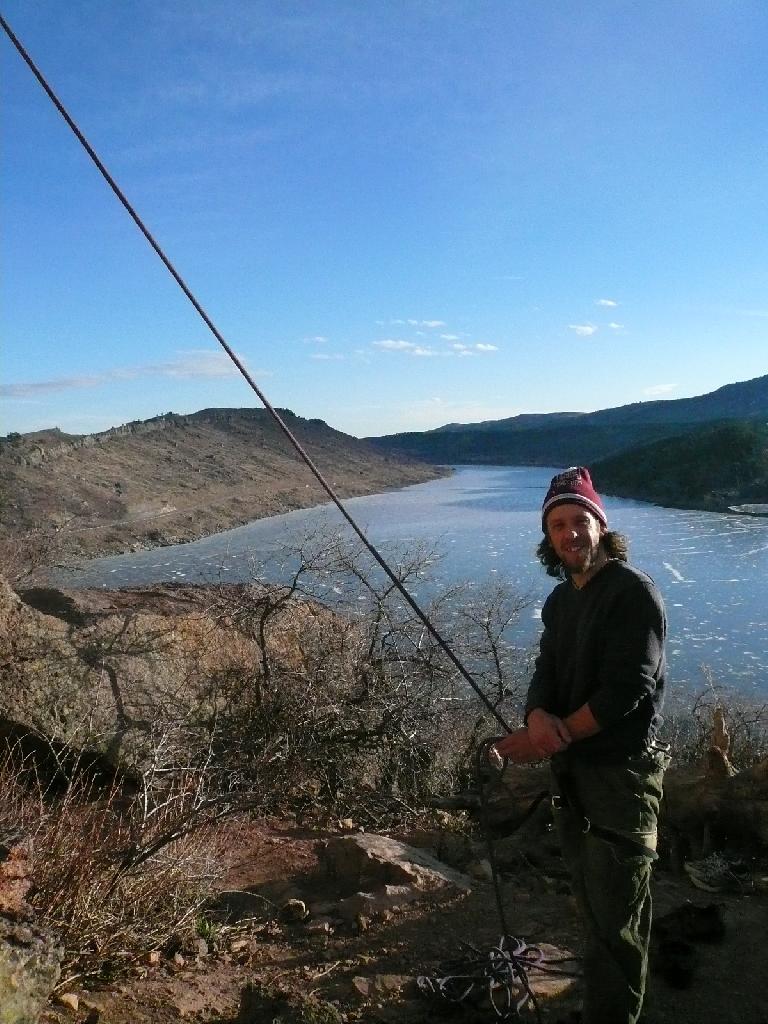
column 500, row 976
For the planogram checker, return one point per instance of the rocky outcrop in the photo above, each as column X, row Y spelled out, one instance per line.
column 30, row 957
column 370, row 861
column 102, row 681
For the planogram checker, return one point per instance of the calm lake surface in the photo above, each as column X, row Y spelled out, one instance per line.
column 712, row 569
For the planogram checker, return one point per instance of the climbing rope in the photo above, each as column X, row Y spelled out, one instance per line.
column 371, row 548
column 501, row 974
column 498, row 978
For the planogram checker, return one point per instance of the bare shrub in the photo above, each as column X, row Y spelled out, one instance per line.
column 263, row 699
column 23, row 554
column 114, row 874
column 366, row 713
column 689, row 728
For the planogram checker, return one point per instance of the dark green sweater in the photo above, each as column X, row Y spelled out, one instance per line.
column 604, row 645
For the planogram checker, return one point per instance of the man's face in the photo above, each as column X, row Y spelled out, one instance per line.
column 575, row 535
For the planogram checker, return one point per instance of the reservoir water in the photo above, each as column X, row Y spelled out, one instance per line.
column 712, row 569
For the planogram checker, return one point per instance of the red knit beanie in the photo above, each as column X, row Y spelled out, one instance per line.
column 573, row 486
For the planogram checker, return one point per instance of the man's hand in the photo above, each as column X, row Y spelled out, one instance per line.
column 548, row 733
column 516, row 746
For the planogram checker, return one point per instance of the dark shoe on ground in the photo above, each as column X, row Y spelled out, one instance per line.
column 716, row 873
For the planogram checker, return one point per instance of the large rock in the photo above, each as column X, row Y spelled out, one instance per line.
column 107, row 674
column 370, row 861
column 30, row 958
column 30, row 965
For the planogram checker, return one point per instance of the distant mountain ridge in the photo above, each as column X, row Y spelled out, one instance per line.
column 565, row 438
column 175, row 478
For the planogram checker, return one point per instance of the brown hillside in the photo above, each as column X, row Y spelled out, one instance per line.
column 177, row 478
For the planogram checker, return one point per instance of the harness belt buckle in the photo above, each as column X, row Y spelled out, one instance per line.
column 587, row 826
column 557, row 802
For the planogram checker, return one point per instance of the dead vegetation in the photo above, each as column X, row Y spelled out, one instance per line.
column 172, row 712
column 131, row 734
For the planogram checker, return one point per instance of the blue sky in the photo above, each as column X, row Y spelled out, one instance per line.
column 400, row 213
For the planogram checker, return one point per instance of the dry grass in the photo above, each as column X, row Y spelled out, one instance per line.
column 689, row 727
column 112, row 880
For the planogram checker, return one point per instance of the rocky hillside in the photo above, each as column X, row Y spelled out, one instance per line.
column 176, row 478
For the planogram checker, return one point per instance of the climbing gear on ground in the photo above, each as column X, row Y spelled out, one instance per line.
column 717, row 874
column 497, row 978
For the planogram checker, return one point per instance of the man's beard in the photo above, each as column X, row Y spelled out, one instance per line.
column 581, row 560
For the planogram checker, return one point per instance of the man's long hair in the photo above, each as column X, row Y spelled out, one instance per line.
column 616, row 546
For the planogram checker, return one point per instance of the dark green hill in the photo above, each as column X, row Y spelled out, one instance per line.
column 565, row 438
column 712, row 467
column 554, row 446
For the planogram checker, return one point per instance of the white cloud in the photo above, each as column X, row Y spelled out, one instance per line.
column 481, row 347
column 615, row 326
column 317, row 339
column 421, row 323
column 408, row 347
column 395, row 345
column 611, row 303
column 660, row 389
column 189, row 364
column 195, row 363
column 449, row 337
column 458, row 346
column 326, row 355
column 583, row 330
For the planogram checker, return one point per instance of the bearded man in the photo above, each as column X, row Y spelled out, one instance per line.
column 593, row 708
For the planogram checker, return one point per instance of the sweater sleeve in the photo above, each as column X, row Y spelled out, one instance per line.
column 633, row 657
column 542, row 689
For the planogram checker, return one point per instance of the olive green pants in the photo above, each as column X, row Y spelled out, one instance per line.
column 611, row 875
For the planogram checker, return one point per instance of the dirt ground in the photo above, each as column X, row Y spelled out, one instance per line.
column 278, row 861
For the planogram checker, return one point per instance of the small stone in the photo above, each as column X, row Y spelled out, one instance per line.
column 320, row 926
column 391, row 983
column 346, row 824
column 363, row 923
column 294, row 910
column 363, row 986
column 153, row 956
column 238, row 945
column 201, row 948
column 178, row 959
column 481, row 869
column 69, row 999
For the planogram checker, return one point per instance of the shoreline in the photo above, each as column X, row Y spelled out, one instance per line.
column 44, row 575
